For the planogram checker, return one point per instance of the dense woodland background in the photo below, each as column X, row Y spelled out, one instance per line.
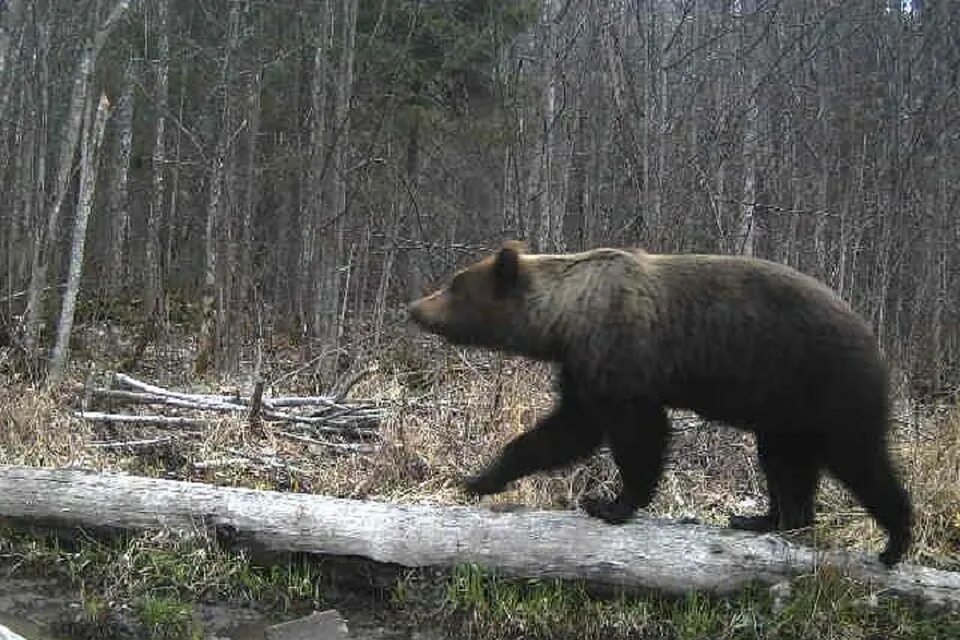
column 304, row 168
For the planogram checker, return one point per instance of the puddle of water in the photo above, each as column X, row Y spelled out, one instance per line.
column 32, row 607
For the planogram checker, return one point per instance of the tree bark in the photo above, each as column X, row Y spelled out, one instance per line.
column 88, row 179
column 318, row 179
column 550, row 230
column 332, row 239
column 152, row 277
column 252, row 190
column 119, row 202
column 645, row 553
column 747, row 236
column 11, row 20
column 210, row 325
column 68, row 146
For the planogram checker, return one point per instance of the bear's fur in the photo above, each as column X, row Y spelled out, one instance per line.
column 751, row 343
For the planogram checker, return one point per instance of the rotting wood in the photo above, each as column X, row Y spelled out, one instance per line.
column 645, row 553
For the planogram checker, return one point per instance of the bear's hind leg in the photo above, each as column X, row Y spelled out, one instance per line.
column 791, row 466
column 559, row 439
column 867, row 470
column 638, row 440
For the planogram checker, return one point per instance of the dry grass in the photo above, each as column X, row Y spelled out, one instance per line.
column 36, row 429
column 449, row 412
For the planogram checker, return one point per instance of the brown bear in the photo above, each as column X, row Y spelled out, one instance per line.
column 742, row 341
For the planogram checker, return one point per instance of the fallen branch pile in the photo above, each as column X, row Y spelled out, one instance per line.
column 325, row 420
column 645, row 553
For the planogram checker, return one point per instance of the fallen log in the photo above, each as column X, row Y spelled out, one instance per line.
column 646, row 553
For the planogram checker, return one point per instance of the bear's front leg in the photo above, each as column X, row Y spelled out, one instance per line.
column 638, row 440
column 557, row 440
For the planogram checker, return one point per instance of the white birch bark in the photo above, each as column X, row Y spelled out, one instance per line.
column 68, row 145
column 95, row 125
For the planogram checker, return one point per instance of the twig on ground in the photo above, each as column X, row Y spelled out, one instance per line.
column 166, row 421
column 219, row 463
column 199, row 403
column 270, row 461
column 133, row 445
column 342, row 446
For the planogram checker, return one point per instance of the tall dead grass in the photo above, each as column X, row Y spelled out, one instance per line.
column 37, row 429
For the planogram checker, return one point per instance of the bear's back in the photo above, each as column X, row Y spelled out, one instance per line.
column 740, row 335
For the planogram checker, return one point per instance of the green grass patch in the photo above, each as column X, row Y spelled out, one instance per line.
column 481, row 605
column 160, row 578
column 168, row 618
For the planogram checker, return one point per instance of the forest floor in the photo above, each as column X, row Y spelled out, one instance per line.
column 447, row 411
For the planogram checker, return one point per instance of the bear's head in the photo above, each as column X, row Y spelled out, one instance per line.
column 482, row 305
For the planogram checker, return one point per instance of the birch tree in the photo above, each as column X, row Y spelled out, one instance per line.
column 44, row 243
column 95, row 122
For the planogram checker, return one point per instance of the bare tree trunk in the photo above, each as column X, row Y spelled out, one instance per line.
column 625, row 129
column 578, row 178
column 386, row 270
column 119, row 205
column 151, row 276
column 409, row 212
column 29, row 166
column 723, row 241
column 41, row 117
column 11, row 20
column 541, row 177
column 172, row 211
column 88, row 179
column 13, row 225
column 152, row 280
column 332, row 241
column 318, row 174
column 653, row 117
column 68, row 146
column 210, row 327
column 748, row 230
column 252, row 194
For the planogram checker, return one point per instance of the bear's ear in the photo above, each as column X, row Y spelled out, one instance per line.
column 506, row 267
